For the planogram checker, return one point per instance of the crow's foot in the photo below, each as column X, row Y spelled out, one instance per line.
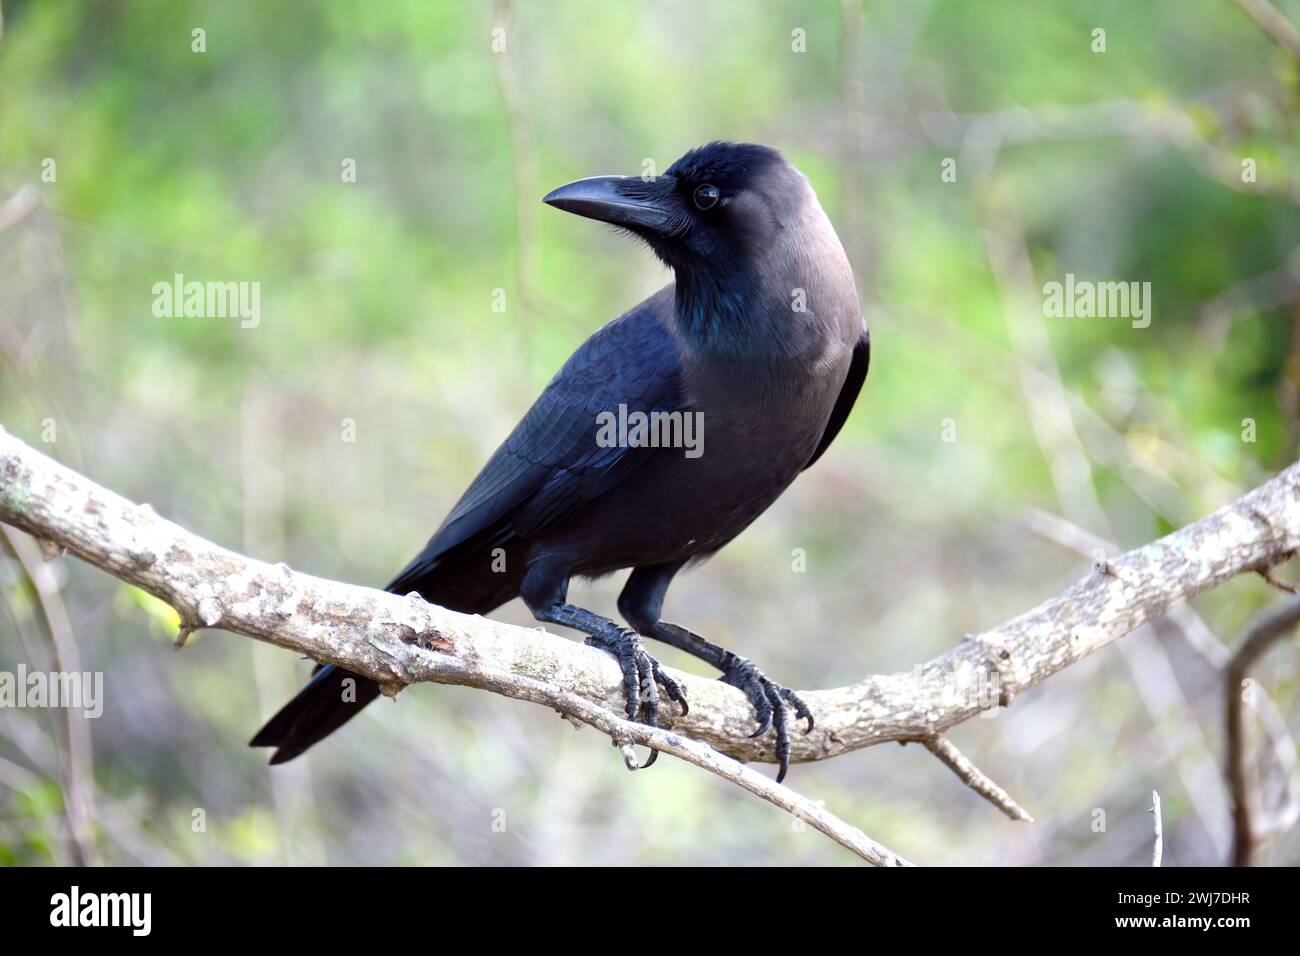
column 642, row 678
column 769, row 700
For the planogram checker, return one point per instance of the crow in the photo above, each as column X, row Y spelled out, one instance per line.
column 759, row 340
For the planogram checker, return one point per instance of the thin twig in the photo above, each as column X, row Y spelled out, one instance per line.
column 1272, row 22
column 975, row 778
column 1271, row 626
column 1208, row 646
column 18, row 778
column 624, row 733
column 1268, row 575
column 18, row 207
column 523, row 157
column 1071, row 471
column 1158, row 847
column 79, row 768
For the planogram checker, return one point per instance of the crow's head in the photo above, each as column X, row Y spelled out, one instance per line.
column 720, row 203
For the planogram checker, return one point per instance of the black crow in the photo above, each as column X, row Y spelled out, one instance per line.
column 748, row 363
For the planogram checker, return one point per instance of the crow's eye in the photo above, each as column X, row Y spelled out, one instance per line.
column 706, row 196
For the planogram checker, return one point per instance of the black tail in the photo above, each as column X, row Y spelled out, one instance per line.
column 322, row 707
column 329, row 701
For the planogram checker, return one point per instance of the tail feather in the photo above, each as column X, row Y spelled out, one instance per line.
column 324, row 705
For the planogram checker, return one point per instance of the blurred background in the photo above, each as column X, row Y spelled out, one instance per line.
column 409, row 317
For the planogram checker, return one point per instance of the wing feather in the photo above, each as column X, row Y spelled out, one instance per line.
column 848, row 394
column 551, row 464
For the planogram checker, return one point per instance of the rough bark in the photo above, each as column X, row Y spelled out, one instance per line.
column 400, row 640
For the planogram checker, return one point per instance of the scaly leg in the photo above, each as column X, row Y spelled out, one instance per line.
column 544, row 592
column 641, row 603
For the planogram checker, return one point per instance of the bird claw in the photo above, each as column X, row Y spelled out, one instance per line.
column 770, row 701
column 630, row 759
column 642, row 678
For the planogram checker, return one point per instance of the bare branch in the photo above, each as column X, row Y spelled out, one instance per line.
column 401, row 640
column 1272, row 22
column 1213, row 652
column 372, row 632
column 1274, row 624
column 625, row 732
column 381, row 635
column 1158, row 847
column 975, row 778
column 18, row 207
column 1268, row 575
column 1071, row 470
column 78, row 772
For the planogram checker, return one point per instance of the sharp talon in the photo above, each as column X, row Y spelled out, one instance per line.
column 629, row 757
column 801, row 710
column 642, row 676
column 769, row 701
column 674, row 690
column 630, row 761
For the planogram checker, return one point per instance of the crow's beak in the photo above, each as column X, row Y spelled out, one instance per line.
column 628, row 201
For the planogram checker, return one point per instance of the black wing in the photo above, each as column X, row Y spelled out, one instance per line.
column 848, row 393
column 551, row 464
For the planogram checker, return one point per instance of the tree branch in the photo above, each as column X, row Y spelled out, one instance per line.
column 78, row 771
column 372, row 632
column 1271, row 626
column 395, row 640
column 1274, row 23
column 401, row 640
column 975, row 778
column 1158, row 845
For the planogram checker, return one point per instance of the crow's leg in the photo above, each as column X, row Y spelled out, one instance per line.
column 768, row 698
column 641, row 603
column 544, row 590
